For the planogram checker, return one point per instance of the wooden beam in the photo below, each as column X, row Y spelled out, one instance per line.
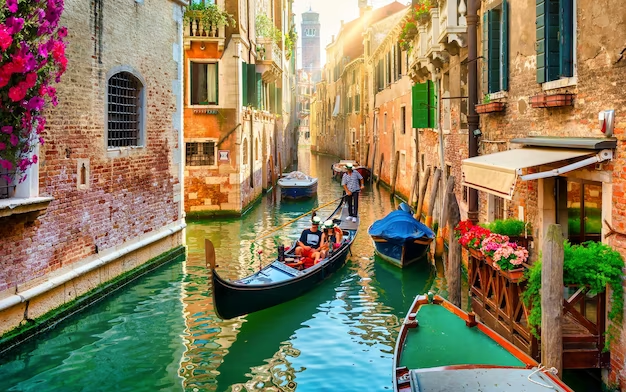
column 395, row 173
column 449, row 191
column 433, row 193
column 422, row 195
column 552, row 299
column 454, row 249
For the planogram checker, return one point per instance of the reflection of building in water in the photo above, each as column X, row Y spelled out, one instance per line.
column 304, row 162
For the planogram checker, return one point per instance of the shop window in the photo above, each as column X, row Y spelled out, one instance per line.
column 495, row 48
column 555, row 39
column 203, row 83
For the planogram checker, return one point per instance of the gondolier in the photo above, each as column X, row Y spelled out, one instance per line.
column 352, row 183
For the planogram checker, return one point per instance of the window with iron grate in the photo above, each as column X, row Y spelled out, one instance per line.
column 124, row 111
column 200, row 154
column 7, row 186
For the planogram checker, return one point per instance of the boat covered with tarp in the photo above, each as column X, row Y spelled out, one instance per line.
column 283, row 279
column 340, row 167
column 399, row 238
column 297, row 185
column 441, row 348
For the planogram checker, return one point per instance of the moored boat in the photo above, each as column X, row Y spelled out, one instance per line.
column 446, row 349
column 399, row 238
column 340, row 167
column 297, row 185
column 279, row 281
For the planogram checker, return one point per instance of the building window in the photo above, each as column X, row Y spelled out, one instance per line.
column 6, row 186
column 465, row 193
column 200, row 154
column 124, row 110
column 203, row 83
column 402, row 162
column 424, row 105
column 555, row 39
column 403, row 120
column 496, row 208
column 495, row 48
column 422, row 162
column 448, row 171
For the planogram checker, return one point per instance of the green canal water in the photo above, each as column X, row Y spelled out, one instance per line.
column 161, row 333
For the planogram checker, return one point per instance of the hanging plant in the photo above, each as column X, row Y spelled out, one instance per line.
column 593, row 265
column 32, row 58
column 264, row 27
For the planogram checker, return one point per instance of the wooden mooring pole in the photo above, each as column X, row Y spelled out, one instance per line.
column 552, row 299
column 422, row 195
column 280, row 167
column 395, row 173
column 413, row 185
column 453, row 271
column 433, row 197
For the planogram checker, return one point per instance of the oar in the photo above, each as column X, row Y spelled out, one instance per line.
column 209, row 253
column 298, row 218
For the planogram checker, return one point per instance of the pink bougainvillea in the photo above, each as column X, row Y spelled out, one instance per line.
column 32, row 57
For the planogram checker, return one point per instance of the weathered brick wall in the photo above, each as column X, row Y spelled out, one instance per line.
column 600, row 47
column 130, row 193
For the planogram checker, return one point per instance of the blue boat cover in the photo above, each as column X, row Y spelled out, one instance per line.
column 399, row 227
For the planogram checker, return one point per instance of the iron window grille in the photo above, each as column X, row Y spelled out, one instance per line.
column 200, row 154
column 124, row 110
column 6, row 185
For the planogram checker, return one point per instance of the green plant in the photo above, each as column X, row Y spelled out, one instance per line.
column 265, row 28
column 486, row 99
column 209, row 15
column 408, row 32
column 290, row 41
column 592, row 265
column 423, row 7
column 509, row 227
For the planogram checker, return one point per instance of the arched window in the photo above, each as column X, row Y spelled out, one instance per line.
column 245, row 152
column 125, row 110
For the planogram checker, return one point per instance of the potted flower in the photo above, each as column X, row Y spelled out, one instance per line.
column 206, row 19
column 488, row 106
column 491, row 244
column 473, row 238
column 508, row 259
column 422, row 10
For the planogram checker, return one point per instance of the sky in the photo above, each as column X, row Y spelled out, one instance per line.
column 332, row 12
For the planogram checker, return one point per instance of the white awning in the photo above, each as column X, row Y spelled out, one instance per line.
column 336, row 109
column 497, row 173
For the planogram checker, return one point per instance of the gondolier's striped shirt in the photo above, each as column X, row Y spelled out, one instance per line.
column 352, row 181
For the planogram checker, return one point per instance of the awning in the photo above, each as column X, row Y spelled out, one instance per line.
column 336, row 109
column 497, row 173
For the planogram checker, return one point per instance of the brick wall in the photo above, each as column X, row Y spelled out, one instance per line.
column 131, row 192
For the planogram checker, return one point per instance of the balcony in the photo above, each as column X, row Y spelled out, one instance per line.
column 196, row 30
column 269, row 59
column 452, row 25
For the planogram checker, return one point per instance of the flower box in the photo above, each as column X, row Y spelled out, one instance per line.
column 491, row 107
column 551, row 101
column 475, row 253
column 514, row 275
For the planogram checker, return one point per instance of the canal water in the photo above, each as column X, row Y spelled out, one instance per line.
column 161, row 333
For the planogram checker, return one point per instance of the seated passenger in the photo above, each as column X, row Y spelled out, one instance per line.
column 310, row 241
column 332, row 236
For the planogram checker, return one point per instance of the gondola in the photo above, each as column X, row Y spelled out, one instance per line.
column 399, row 238
column 279, row 281
column 442, row 348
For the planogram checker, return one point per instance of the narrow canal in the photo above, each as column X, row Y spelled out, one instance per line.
column 160, row 332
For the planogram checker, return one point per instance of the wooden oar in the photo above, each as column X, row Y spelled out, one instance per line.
column 209, row 254
column 298, row 218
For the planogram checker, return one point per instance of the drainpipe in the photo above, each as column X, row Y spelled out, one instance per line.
column 472, row 117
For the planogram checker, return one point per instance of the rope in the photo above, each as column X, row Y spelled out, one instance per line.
column 298, row 218
column 543, row 369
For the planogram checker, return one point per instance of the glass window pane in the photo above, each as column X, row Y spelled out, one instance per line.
column 593, row 212
column 199, row 84
column 573, row 210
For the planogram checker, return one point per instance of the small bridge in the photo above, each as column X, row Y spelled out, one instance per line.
column 496, row 299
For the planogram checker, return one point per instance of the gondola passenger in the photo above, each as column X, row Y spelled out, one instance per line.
column 331, row 238
column 310, row 242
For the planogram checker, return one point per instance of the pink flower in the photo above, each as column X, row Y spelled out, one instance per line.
column 62, row 32
column 35, row 159
column 17, row 93
column 12, row 5
column 35, row 103
column 6, row 164
column 2, row 146
column 5, row 38
column 14, row 25
column 7, row 129
column 14, row 140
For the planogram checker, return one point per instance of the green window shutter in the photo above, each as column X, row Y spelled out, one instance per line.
column 217, row 83
column 541, row 40
column 552, row 40
column 566, row 27
column 419, row 105
column 493, row 59
column 252, row 85
column 244, row 83
column 484, row 66
column 504, row 49
column 432, row 105
column 259, row 91
column 279, row 100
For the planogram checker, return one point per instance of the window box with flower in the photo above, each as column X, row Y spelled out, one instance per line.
column 33, row 58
